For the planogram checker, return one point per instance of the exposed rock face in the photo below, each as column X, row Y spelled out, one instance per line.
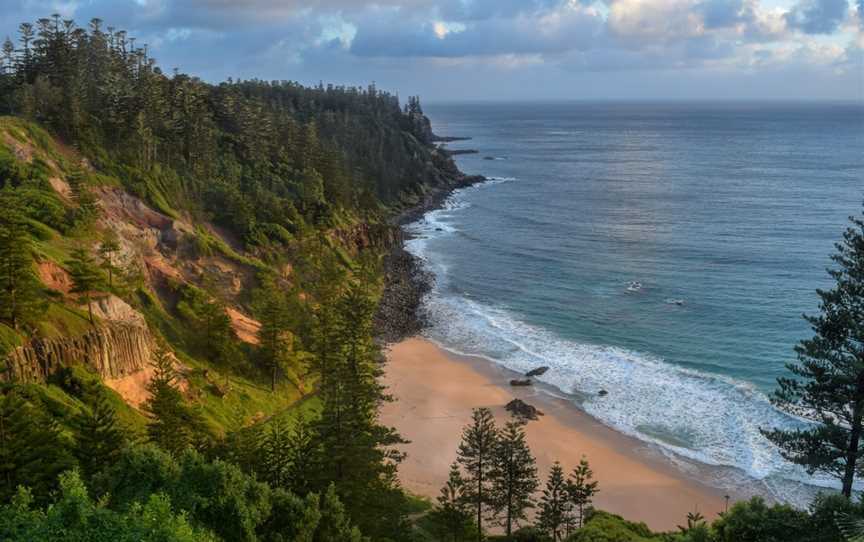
column 119, row 346
column 113, row 350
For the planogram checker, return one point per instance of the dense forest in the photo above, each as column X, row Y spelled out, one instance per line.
column 241, row 231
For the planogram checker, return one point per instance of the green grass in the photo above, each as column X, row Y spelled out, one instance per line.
column 61, row 320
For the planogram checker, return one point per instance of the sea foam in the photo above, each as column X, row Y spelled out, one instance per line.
column 690, row 415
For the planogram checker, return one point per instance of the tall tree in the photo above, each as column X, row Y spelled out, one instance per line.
column 20, row 290
column 108, row 250
column 453, row 513
column 99, row 439
column 581, row 488
column 513, row 475
column 33, row 451
column 174, row 425
column 476, row 451
column 86, row 277
column 276, row 342
column 828, row 383
column 555, row 508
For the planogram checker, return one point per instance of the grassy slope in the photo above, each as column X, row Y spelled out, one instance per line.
column 27, row 145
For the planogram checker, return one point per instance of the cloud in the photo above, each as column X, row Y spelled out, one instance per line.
column 817, row 16
column 387, row 33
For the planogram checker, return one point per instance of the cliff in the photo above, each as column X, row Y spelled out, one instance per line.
column 113, row 350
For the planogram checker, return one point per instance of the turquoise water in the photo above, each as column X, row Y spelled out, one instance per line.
column 726, row 214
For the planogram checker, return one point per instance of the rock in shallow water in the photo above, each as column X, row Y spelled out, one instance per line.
column 520, row 408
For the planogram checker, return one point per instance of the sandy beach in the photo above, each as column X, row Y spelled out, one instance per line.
column 436, row 391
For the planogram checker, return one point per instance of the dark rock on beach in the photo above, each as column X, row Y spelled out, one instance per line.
column 602, row 393
column 537, row 372
column 521, row 409
column 520, row 382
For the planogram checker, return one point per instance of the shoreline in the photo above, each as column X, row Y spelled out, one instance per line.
column 435, row 391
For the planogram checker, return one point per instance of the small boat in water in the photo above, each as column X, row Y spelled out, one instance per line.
column 634, row 286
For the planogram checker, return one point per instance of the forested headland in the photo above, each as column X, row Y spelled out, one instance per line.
column 191, row 277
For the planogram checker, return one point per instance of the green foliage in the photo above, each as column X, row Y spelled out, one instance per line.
column 605, row 527
column 475, row 456
column 452, row 520
column 514, row 476
column 555, row 512
column 75, row 517
column 21, row 301
column 755, row 521
column 99, row 439
column 33, row 452
column 828, row 382
column 86, row 277
column 581, row 489
column 174, row 425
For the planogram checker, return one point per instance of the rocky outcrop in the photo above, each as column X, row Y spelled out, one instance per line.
column 520, row 409
column 113, row 350
column 119, row 346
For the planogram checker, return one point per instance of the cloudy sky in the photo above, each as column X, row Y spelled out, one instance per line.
column 502, row 49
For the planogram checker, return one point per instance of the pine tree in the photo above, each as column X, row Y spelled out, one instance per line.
column 513, row 476
column 581, row 489
column 275, row 341
column 277, row 454
column 358, row 452
column 108, row 250
column 20, row 290
column 335, row 523
column 33, row 451
column 453, row 513
column 87, row 209
column 174, row 425
column 86, row 277
column 99, row 439
column 476, row 451
column 555, row 508
column 828, row 386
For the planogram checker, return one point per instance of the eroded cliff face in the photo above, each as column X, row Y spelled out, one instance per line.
column 119, row 345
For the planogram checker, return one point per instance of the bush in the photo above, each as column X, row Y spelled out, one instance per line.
column 606, row 527
column 755, row 521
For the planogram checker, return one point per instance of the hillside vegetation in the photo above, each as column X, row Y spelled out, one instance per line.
column 189, row 280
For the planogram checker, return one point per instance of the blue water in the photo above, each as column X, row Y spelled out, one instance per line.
column 731, row 209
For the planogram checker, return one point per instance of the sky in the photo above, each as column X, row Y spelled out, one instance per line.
column 473, row 50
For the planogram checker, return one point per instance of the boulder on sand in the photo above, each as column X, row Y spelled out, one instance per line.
column 536, row 372
column 521, row 409
column 519, row 382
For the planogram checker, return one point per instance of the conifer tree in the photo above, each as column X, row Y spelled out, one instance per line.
column 33, row 451
column 453, row 513
column 87, row 209
column 828, row 383
column 86, row 277
column 108, row 250
column 277, row 454
column 513, row 476
column 555, row 508
column 174, row 425
column 275, row 341
column 581, row 488
column 475, row 455
column 99, row 439
column 20, row 290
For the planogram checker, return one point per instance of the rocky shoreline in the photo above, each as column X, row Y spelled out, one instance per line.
column 406, row 281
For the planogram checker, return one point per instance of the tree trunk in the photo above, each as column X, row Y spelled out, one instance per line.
column 852, row 450
column 480, row 502
column 90, row 309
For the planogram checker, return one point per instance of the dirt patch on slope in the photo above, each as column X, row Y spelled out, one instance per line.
column 245, row 328
column 54, row 277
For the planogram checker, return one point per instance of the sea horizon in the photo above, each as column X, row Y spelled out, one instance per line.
column 524, row 287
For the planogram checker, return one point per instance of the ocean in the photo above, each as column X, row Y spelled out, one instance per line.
column 661, row 253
